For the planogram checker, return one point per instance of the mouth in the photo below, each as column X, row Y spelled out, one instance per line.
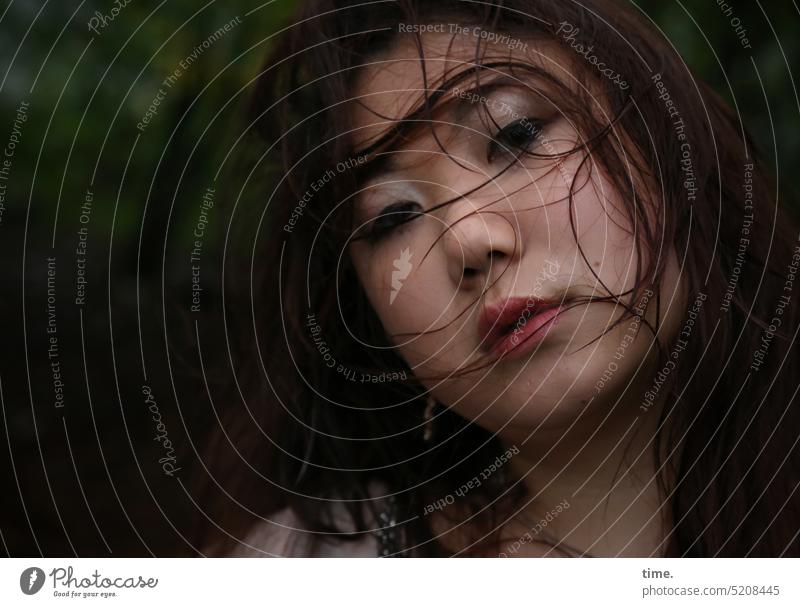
column 515, row 326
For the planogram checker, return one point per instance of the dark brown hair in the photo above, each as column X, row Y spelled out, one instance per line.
column 292, row 433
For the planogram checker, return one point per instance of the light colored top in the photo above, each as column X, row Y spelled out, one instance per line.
column 283, row 536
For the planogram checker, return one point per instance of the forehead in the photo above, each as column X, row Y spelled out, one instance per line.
column 392, row 83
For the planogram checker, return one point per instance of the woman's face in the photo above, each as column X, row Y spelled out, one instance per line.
column 468, row 284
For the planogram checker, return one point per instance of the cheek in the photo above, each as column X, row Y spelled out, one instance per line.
column 374, row 269
column 606, row 235
column 405, row 293
column 595, row 216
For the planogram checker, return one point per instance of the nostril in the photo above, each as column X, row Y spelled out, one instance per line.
column 470, row 272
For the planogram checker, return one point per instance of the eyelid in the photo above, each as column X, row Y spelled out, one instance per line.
column 395, row 207
column 400, row 212
column 496, row 146
column 377, row 195
column 386, row 189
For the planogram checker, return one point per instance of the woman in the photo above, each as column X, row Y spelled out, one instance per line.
column 520, row 288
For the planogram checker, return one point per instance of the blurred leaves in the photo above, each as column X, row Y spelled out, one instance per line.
column 706, row 35
column 115, row 74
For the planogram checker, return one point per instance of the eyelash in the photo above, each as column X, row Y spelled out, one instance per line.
column 515, row 136
column 393, row 216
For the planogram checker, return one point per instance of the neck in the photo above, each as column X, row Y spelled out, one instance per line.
column 593, row 488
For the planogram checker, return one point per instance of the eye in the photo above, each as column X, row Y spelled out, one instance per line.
column 515, row 137
column 391, row 217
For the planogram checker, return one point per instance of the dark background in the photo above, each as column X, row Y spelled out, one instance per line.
column 85, row 479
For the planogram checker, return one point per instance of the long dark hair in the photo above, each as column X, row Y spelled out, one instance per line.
column 294, row 433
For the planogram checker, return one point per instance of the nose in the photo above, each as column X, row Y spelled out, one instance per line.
column 481, row 240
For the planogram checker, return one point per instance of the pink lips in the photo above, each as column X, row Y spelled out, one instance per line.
column 517, row 325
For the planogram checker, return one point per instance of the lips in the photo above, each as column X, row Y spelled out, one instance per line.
column 516, row 325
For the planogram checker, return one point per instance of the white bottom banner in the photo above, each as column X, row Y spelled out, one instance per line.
column 353, row 582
